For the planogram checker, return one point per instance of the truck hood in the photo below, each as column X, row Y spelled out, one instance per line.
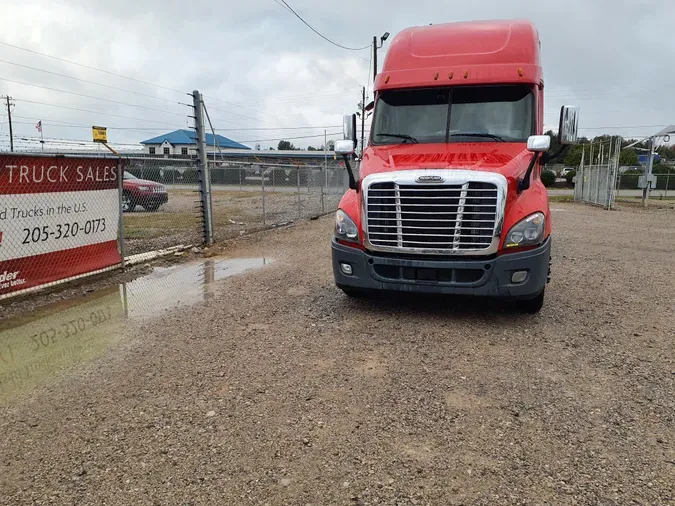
column 507, row 158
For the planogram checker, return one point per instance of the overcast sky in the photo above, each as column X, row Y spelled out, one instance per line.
column 261, row 68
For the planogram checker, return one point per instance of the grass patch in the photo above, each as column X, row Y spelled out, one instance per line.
column 148, row 225
column 561, row 198
column 652, row 197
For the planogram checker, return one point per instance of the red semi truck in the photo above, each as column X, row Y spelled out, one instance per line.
column 448, row 198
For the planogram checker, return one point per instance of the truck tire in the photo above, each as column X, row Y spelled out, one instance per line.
column 128, row 204
column 531, row 306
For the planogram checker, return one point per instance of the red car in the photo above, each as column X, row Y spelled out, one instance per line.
column 141, row 192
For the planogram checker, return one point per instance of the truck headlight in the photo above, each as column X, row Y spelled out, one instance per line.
column 144, row 188
column 526, row 232
column 345, row 228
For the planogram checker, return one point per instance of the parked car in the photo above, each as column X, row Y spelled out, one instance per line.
column 565, row 171
column 141, row 192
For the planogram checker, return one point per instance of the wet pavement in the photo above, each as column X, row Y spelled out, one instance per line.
column 36, row 347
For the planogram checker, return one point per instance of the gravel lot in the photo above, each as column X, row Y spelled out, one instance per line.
column 280, row 390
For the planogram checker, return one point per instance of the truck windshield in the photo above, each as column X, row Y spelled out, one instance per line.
column 460, row 114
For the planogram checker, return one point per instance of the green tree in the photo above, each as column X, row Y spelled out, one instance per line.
column 311, row 148
column 628, row 157
column 573, row 156
column 548, row 178
column 286, row 146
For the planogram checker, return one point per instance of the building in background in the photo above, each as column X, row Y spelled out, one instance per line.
column 184, row 143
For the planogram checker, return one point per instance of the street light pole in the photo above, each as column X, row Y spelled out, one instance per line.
column 374, row 57
column 384, row 37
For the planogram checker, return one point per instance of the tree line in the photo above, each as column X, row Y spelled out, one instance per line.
column 289, row 146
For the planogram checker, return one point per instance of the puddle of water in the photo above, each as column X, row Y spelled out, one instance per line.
column 36, row 347
column 179, row 285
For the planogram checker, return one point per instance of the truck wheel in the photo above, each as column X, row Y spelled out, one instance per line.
column 128, row 204
column 151, row 207
column 531, row 306
column 353, row 292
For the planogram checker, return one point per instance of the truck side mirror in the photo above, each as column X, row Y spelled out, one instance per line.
column 569, row 125
column 346, row 148
column 349, row 128
column 538, row 143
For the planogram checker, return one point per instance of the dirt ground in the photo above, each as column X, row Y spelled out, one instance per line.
column 281, row 390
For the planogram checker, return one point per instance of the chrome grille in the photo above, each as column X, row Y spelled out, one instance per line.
column 457, row 217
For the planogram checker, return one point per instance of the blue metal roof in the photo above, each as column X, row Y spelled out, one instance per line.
column 190, row 137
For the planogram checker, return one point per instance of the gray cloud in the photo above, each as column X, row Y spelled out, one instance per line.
column 261, row 68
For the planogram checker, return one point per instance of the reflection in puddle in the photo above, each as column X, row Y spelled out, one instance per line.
column 40, row 345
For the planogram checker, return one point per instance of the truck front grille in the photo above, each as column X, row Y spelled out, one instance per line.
column 444, row 217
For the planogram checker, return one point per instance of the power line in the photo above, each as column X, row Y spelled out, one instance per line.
column 68, row 124
column 618, row 127
column 280, row 128
column 235, row 114
column 91, row 82
column 306, row 96
column 98, row 112
column 90, row 67
column 242, row 107
column 293, row 138
column 351, row 49
column 92, row 97
column 61, row 140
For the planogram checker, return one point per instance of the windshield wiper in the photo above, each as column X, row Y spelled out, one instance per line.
column 405, row 137
column 478, row 134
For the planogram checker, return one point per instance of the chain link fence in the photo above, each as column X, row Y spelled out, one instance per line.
column 66, row 216
column 161, row 204
column 250, row 196
column 594, row 185
column 665, row 182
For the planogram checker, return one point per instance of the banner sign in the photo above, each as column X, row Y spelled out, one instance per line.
column 59, row 218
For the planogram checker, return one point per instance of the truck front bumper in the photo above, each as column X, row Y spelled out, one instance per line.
column 489, row 277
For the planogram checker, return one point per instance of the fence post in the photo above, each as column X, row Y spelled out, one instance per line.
column 204, row 180
column 667, row 183
column 323, row 205
column 297, row 168
column 120, row 185
column 262, row 179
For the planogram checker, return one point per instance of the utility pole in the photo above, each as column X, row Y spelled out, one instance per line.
column 205, row 182
column 648, row 173
column 374, row 57
column 9, row 118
